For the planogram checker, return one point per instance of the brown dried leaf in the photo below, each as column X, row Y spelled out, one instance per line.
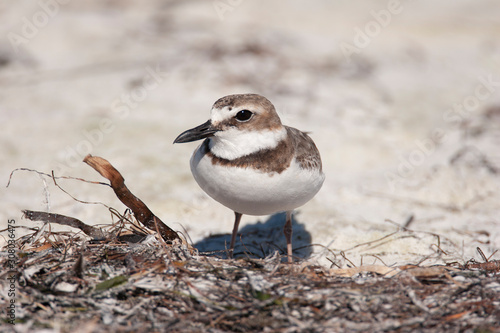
column 141, row 212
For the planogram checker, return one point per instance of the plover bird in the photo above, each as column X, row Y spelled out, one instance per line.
column 251, row 163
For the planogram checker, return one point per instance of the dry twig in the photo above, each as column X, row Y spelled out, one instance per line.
column 91, row 231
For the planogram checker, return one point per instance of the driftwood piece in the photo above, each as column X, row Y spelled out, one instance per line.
column 141, row 212
column 89, row 230
column 377, row 269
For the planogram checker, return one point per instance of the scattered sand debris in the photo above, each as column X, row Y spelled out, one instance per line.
column 79, row 285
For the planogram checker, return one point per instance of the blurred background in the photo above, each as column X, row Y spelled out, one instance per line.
column 401, row 97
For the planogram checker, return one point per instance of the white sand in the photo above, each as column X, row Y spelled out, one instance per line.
column 65, row 81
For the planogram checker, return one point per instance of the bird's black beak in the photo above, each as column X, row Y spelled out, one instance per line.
column 199, row 132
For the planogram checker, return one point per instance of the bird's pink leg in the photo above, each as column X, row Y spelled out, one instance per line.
column 237, row 218
column 287, row 230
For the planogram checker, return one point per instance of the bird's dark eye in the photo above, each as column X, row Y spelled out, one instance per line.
column 244, row 115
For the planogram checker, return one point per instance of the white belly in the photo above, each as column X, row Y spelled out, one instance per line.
column 249, row 191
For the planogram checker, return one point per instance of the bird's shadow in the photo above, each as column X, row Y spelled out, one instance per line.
column 260, row 240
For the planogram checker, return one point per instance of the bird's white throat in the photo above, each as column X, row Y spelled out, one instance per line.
column 234, row 143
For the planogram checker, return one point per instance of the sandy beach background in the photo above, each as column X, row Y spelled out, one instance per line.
column 401, row 97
